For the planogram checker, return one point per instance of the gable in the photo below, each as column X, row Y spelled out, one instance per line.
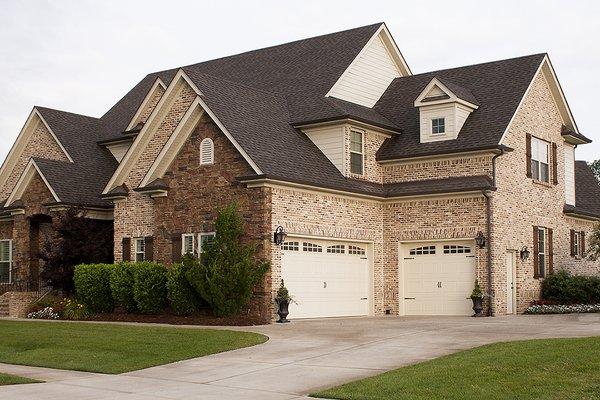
column 148, row 104
column 36, row 139
column 29, row 184
column 371, row 72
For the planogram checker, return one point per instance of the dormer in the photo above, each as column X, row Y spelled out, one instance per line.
column 443, row 109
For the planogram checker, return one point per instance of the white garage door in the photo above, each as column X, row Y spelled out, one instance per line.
column 437, row 278
column 326, row 278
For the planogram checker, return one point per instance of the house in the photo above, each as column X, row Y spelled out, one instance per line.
column 396, row 190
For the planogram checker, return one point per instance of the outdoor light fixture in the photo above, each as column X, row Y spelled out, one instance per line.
column 480, row 240
column 279, row 236
column 524, row 253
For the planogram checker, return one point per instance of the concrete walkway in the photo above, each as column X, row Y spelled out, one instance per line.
column 301, row 357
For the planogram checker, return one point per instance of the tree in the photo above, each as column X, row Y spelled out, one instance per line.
column 228, row 271
column 595, row 166
column 76, row 240
column 594, row 244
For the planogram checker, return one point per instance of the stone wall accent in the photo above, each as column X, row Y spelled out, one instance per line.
column 520, row 203
column 41, row 145
column 158, row 92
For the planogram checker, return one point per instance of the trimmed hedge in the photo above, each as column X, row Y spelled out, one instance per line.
column 150, row 287
column 564, row 288
column 121, row 284
column 182, row 296
column 92, row 285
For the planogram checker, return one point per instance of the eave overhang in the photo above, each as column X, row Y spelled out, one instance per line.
column 496, row 149
column 349, row 119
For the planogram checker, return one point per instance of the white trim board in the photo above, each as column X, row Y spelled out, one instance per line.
column 158, row 82
column 25, row 179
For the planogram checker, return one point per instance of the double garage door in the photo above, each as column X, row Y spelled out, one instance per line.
column 326, row 278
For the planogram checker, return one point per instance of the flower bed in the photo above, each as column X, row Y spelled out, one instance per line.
column 562, row 309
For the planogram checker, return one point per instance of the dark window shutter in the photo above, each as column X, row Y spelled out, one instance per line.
column 126, row 246
column 176, row 248
column 149, row 248
column 550, row 252
column 554, row 164
column 582, row 244
column 528, row 153
column 572, row 243
column 536, row 256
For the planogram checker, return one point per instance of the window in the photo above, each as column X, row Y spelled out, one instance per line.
column 452, row 249
column 540, row 163
column 356, row 152
column 311, row 247
column 356, row 250
column 204, row 241
column 577, row 244
column 336, row 249
column 291, row 246
column 438, row 126
column 140, row 249
column 187, row 243
column 418, row 251
column 541, row 248
column 207, row 152
column 5, row 260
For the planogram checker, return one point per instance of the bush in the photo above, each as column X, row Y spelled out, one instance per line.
column 181, row 294
column 92, row 284
column 121, row 285
column 228, row 272
column 150, row 287
column 74, row 310
column 564, row 288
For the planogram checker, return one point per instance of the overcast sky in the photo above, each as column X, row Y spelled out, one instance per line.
column 82, row 56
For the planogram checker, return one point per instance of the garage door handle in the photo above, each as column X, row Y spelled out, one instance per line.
column 409, row 298
column 363, row 298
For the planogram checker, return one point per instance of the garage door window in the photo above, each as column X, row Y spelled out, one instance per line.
column 292, row 246
column 336, row 249
column 418, row 251
column 452, row 249
column 356, row 250
column 311, row 247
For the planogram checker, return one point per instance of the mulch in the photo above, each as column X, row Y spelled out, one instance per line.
column 200, row 318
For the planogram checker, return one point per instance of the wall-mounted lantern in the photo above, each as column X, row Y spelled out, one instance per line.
column 480, row 240
column 524, row 253
column 279, row 236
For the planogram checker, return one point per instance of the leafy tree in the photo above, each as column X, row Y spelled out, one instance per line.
column 76, row 240
column 229, row 270
column 594, row 244
column 595, row 166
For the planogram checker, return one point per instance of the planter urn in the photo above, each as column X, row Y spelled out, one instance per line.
column 283, row 310
column 477, row 306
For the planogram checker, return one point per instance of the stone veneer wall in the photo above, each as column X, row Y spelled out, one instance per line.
column 520, row 203
column 151, row 104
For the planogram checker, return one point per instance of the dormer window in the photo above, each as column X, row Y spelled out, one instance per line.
column 356, row 152
column 438, row 126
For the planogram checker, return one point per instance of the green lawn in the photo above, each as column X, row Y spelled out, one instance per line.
column 14, row 380
column 109, row 348
column 534, row 369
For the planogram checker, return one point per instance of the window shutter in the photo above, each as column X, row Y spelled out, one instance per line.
column 550, row 252
column 176, row 248
column 149, row 248
column 582, row 244
column 126, row 246
column 536, row 256
column 554, row 164
column 572, row 243
column 528, row 153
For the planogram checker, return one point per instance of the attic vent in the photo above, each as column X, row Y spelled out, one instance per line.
column 207, row 152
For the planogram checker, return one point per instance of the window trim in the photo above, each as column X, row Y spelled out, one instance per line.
column 200, row 236
column 137, row 240
column 183, row 237
column 10, row 259
column 443, row 119
column 577, row 244
column 534, row 159
column 362, row 151
column 542, row 253
column 210, row 143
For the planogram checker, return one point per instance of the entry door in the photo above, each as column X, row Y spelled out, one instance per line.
column 511, row 293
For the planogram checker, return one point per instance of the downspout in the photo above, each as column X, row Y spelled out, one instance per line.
column 488, row 204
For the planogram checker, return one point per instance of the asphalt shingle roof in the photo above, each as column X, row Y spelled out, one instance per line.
column 587, row 191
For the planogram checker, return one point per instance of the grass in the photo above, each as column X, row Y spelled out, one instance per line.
column 534, row 369
column 110, row 348
column 14, row 380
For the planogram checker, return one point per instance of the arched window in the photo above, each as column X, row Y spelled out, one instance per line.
column 207, row 152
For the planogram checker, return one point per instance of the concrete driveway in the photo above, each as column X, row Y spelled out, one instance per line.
column 301, row 357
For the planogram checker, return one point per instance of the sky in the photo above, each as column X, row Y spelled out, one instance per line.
column 82, row 56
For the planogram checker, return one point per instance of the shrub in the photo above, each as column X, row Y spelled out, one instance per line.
column 121, row 285
column 228, row 272
column 564, row 288
column 74, row 310
column 181, row 294
column 92, row 284
column 150, row 287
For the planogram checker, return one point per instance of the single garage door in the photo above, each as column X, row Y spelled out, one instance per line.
column 437, row 278
column 326, row 278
